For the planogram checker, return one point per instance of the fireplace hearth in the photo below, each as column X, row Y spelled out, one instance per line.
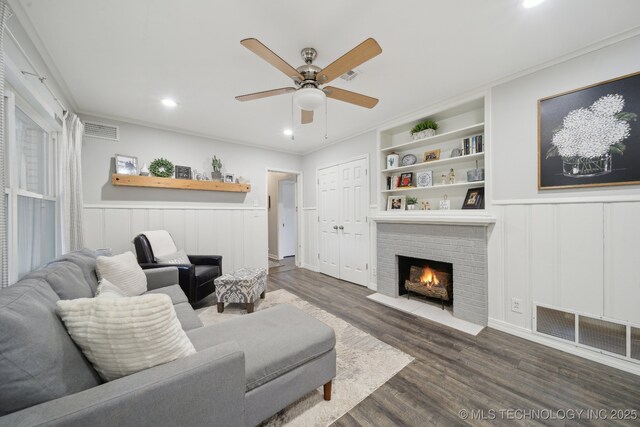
column 426, row 278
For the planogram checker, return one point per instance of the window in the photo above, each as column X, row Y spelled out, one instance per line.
column 30, row 196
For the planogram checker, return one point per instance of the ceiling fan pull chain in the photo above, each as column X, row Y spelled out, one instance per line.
column 293, row 135
column 326, row 120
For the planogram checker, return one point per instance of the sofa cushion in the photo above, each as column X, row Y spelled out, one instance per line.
column 206, row 273
column 124, row 272
column 86, row 260
column 187, row 317
column 106, row 289
column 275, row 341
column 122, row 336
column 65, row 278
column 174, row 291
column 38, row 359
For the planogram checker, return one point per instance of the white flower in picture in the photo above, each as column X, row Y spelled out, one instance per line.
column 594, row 131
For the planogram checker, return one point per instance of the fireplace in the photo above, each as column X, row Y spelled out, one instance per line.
column 426, row 278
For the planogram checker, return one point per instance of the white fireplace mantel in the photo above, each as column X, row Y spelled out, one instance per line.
column 436, row 217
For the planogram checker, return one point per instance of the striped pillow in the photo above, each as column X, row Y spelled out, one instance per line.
column 121, row 336
column 124, row 272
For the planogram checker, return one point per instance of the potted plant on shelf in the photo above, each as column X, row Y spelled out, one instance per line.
column 424, row 129
column 411, row 203
column 216, row 164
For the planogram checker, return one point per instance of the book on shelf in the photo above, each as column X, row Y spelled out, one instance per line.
column 472, row 145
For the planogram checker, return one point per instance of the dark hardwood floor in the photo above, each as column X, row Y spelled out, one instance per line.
column 453, row 371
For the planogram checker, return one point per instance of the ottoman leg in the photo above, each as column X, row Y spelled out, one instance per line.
column 220, row 307
column 327, row 391
column 263, row 294
column 249, row 307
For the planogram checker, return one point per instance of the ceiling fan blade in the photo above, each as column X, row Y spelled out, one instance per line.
column 265, row 94
column 265, row 53
column 350, row 60
column 306, row 117
column 350, row 97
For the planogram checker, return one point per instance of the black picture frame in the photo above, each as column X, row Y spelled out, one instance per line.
column 474, row 199
column 183, row 172
column 562, row 160
column 406, row 180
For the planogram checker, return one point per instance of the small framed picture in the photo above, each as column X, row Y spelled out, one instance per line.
column 424, row 179
column 229, row 177
column 406, row 179
column 126, row 165
column 474, row 199
column 396, row 203
column 395, row 182
column 430, row 156
column 183, row 172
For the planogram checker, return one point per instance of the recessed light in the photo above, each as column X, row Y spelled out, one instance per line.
column 288, row 132
column 531, row 3
column 168, row 102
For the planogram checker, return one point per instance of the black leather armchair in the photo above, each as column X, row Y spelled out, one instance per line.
column 196, row 279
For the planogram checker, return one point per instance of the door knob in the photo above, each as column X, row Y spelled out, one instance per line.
column 341, row 227
column 335, row 227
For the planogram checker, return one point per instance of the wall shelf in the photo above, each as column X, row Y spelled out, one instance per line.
column 435, row 163
column 436, row 187
column 443, row 137
column 179, row 184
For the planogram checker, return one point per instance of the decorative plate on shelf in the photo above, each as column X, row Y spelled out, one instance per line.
column 409, row 160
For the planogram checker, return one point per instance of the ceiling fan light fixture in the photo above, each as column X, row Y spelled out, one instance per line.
column 309, row 98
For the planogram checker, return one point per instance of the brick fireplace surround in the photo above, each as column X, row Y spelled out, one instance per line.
column 465, row 246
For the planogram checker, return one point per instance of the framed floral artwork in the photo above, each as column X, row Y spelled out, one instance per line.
column 590, row 136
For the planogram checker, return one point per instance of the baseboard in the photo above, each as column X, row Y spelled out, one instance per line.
column 311, row 267
column 566, row 347
column 373, row 286
column 274, row 257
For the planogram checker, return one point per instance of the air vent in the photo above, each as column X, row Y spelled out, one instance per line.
column 102, row 131
column 349, row 75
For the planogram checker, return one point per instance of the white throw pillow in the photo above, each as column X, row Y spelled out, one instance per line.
column 106, row 289
column 121, row 336
column 124, row 272
column 179, row 257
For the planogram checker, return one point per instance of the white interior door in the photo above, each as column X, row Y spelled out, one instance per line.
column 344, row 233
column 286, row 218
column 328, row 216
column 353, row 229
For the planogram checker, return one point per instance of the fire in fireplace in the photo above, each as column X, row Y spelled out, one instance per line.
column 430, row 279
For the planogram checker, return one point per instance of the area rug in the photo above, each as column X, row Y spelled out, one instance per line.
column 364, row 363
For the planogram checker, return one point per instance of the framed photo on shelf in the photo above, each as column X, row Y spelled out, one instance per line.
column 587, row 136
column 474, row 199
column 396, row 203
column 126, row 165
column 229, row 177
column 424, row 179
column 406, row 179
column 395, row 182
column 183, row 172
column 430, row 156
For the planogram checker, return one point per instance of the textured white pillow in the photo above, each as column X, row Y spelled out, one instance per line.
column 179, row 257
column 121, row 336
column 124, row 272
column 106, row 289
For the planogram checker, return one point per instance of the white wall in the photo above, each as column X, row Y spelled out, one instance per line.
column 573, row 249
column 203, row 222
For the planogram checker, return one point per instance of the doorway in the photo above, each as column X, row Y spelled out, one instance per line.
column 283, row 220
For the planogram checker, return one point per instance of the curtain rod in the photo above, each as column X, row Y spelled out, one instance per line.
column 36, row 73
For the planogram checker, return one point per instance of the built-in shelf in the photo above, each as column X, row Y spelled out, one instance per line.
column 436, row 163
column 443, row 137
column 454, row 217
column 180, row 184
column 437, row 187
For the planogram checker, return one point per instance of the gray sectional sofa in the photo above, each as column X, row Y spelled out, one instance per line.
column 244, row 371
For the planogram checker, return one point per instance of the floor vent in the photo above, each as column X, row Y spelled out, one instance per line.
column 102, row 131
column 607, row 336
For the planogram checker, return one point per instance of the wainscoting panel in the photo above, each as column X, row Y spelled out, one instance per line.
column 310, row 247
column 239, row 235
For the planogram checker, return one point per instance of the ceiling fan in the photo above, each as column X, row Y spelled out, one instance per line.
column 308, row 78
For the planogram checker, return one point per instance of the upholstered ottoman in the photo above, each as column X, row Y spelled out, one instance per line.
column 242, row 286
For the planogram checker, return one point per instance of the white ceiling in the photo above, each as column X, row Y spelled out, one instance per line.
column 119, row 58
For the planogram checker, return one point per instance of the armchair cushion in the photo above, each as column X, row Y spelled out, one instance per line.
column 179, row 257
column 206, row 273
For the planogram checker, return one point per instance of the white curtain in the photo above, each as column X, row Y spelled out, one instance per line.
column 5, row 13
column 70, row 184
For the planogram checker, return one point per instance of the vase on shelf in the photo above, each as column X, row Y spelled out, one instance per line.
column 581, row 167
column 216, row 176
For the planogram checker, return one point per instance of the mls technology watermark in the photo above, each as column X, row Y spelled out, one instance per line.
column 548, row 414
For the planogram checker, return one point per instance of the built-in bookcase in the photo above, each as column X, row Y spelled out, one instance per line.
column 455, row 124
